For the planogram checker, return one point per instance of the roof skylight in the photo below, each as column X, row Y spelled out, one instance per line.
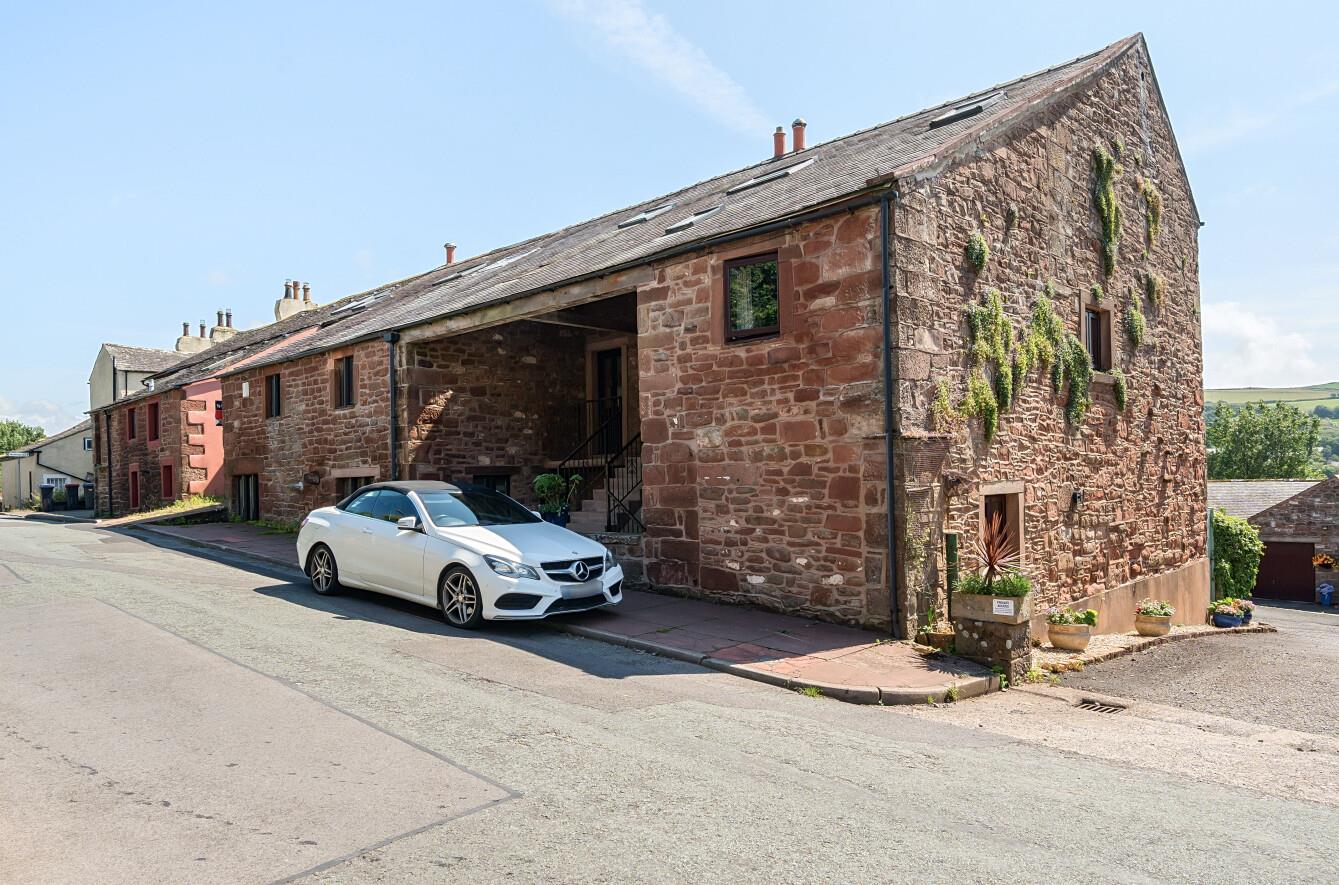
column 773, row 175
column 693, row 219
column 646, row 215
column 966, row 109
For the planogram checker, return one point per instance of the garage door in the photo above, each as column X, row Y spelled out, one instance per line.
column 1286, row 572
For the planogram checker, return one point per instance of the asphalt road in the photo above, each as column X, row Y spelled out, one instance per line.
column 167, row 716
column 1289, row 678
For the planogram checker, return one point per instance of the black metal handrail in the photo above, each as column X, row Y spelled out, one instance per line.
column 622, row 485
column 589, row 460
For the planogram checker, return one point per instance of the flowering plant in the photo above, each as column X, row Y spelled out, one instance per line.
column 1323, row 560
column 1155, row 607
column 1225, row 607
column 1246, row 606
column 1070, row 617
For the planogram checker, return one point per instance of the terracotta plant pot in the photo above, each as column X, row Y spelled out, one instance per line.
column 1153, row 625
column 1070, row 637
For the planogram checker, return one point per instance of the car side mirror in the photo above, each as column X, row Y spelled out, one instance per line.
column 407, row 524
column 537, row 513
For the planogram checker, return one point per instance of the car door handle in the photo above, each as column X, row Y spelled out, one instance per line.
column 367, row 531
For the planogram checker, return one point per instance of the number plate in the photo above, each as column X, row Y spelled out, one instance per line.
column 581, row 591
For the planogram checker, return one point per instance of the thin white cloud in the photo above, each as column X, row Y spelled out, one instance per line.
column 218, row 277
column 51, row 417
column 1241, row 124
column 1245, row 349
column 648, row 40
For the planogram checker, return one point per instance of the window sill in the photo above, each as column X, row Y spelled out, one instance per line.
column 344, row 408
column 1106, row 377
column 752, row 339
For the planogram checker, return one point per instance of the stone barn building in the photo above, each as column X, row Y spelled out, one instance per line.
column 804, row 383
column 1298, row 521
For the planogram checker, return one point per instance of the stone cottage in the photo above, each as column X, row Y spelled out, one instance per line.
column 806, row 383
column 1298, row 521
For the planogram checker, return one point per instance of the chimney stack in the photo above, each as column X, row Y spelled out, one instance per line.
column 797, row 130
column 220, row 317
column 450, row 252
column 186, row 329
column 778, row 142
column 288, row 289
column 202, row 328
column 306, row 293
column 227, row 316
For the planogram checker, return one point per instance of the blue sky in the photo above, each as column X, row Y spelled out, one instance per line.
column 164, row 161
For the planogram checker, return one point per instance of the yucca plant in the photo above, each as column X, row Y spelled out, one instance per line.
column 996, row 550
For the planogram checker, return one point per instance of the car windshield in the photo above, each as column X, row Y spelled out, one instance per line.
column 473, row 507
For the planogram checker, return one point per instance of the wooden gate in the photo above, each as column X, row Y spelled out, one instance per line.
column 1286, row 572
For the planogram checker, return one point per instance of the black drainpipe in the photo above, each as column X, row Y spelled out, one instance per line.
column 391, row 338
column 891, row 570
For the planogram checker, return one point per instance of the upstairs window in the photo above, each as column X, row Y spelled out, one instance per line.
column 274, row 402
column 130, row 424
column 1097, row 337
column 152, row 422
column 344, row 388
column 752, row 298
column 88, row 444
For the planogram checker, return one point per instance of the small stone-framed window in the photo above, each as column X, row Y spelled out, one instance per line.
column 166, row 472
column 151, row 420
column 347, row 485
column 1004, row 502
column 498, row 482
column 752, row 297
column 1097, row 336
column 345, row 392
column 130, row 424
column 274, row 400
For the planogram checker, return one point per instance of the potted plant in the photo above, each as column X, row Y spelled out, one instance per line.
column 997, row 591
column 555, row 497
column 936, row 633
column 1153, row 617
column 1225, row 613
column 1247, row 610
column 1070, row 629
column 1324, row 561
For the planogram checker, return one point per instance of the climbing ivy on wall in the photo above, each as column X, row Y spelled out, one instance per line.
column 1134, row 323
column 978, row 251
column 1108, row 206
column 1152, row 210
column 1154, row 287
column 1119, row 388
column 942, row 414
column 980, row 403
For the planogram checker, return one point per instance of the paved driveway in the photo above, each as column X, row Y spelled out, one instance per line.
column 1288, row 679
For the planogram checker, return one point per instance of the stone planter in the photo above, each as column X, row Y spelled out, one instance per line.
column 1153, row 625
column 996, row 609
column 1070, row 637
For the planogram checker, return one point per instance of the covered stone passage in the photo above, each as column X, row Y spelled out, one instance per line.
column 555, row 392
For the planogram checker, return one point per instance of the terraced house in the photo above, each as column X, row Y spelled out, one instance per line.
column 805, row 383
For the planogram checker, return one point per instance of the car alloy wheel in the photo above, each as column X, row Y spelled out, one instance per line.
column 323, row 572
column 459, row 599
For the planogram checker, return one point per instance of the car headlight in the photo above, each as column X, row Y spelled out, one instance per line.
column 509, row 569
column 608, row 559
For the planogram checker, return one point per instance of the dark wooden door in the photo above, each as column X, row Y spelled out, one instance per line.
column 1286, row 572
column 609, row 398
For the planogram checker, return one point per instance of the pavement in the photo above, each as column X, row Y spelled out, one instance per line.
column 846, row 663
column 612, row 765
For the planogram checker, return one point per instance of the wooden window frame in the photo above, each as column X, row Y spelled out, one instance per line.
column 1104, row 349
column 274, row 396
column 344, row 382
column 737, row 336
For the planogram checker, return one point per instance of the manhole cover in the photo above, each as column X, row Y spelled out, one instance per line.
column 1097, row 706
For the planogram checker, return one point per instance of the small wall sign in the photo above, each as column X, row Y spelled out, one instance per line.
column 1002, row 607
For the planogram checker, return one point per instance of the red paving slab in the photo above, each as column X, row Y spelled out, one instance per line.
column 844, row 661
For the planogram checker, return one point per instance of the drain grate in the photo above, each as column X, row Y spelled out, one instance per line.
column 1097, row 706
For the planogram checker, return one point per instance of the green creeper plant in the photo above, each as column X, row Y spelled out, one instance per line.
column 981, row 403
column 1107, row 170
column 1078, row 368
column 1152, row 210
column 1134, row 323
column 942, row 414
column 1154, row 288
column 1119, row 388
column 978, row 251
column 1237, row 551
column 1098, row 294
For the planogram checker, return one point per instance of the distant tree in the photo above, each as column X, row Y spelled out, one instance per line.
column 1260, row 441
column 16, row 435
column 1325, row 412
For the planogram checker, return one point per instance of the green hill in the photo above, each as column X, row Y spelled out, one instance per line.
column 1305, row 398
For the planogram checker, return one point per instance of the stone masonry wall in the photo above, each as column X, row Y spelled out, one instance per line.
column 311, row 439
column 142, row 454
column 1141, row 471
column 763, row 460
column 501, row 400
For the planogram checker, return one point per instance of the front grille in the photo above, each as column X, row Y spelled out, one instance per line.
column 561, row 571
column 577, row 605
column 517, row 601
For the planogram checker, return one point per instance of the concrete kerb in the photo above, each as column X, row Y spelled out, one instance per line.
column 214, row 545
column 1149, row 642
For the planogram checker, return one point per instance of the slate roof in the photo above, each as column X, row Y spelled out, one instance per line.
column 1245, row 498
column 82, row 427
column 142, row 359
column 823, row 174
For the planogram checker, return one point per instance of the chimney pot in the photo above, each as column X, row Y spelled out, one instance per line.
column 227, row 315
column 307, row 293
column 450, row 252
column 288, row 288
column 220, row 318
column 202, row 328
column 186, row 329
column 797, row 134
column 778, row 142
